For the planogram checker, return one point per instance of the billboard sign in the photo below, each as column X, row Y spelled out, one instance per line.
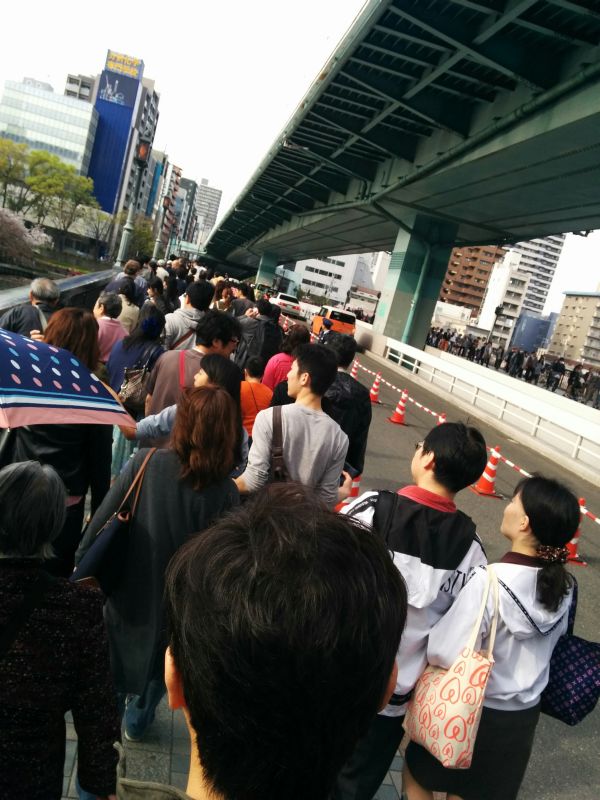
column 124, row 65
column 118, row 89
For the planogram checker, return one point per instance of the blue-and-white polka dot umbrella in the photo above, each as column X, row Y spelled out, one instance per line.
column 41, row 384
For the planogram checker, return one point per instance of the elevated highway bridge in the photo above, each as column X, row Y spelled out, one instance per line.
column 434, row 123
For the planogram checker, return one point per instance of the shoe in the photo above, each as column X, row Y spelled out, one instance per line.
column 130, row 737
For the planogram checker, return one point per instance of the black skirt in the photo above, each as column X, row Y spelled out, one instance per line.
column 500, row 758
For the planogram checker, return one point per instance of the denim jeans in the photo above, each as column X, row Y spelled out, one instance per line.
column 139, row 710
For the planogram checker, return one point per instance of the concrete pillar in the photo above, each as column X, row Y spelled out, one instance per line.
column 412, row 287
column 266, row 269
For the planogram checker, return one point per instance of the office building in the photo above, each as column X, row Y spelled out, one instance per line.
column 127, row 107
column 333, row 278
column 33, row 114
column 577, row 333
column 533, row 332
column 208, row 200
column 83, row 87
column 467, row 276
column 506, row 290
column 188, row 221
column 539, row 259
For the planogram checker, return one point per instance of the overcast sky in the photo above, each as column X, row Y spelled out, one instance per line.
column 229, row 74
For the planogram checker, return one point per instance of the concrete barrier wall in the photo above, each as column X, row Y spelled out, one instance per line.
column 560, row 428
column 81, row 291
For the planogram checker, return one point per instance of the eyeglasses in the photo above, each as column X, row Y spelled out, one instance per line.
column 419, row 445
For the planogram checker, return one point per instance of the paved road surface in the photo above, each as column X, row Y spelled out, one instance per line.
column 565, row 761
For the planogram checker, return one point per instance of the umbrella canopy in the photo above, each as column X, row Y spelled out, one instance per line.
column 41, row 384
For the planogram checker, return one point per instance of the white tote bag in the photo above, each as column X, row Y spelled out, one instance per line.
column 444, row 712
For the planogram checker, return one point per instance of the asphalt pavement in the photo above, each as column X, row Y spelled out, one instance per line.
column 565, row 762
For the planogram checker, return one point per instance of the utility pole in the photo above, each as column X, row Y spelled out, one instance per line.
column 142, row 154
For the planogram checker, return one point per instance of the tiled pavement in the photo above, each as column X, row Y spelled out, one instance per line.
column 163, row 756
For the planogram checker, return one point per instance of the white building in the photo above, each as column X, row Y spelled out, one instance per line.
column 448, row 315
column 507, row 287
column 208, row 200
column 334, row 277
column 539, row 259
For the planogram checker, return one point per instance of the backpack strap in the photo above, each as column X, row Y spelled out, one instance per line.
column 278, row 469
column 385, row 509
column 32, row 598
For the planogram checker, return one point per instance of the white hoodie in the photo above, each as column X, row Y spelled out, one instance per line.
column 527, row 633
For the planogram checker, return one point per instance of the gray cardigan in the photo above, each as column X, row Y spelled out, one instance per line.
column 168, row 513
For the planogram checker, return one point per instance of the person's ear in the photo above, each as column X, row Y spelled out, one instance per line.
column 173, row 683
column 391, row 686
column 428, row 460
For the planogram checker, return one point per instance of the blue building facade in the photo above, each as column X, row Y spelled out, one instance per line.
column 532, row 332
column 116, row 104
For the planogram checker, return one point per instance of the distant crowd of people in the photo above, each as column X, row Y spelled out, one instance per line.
column 289, row 628
column 550, row 373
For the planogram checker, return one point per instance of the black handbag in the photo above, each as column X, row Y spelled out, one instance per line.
column 106, row 557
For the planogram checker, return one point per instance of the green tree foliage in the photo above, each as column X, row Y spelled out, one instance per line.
column 13, row 171
column 76, row 194
column 142, row 237
column 48, row 178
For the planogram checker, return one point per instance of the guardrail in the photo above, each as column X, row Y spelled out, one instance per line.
column 81, row 291
column 557, row 426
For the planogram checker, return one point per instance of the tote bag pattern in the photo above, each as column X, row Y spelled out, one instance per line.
column 444, row 713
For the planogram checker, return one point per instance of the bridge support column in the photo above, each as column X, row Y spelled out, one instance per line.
column 266, row 269
column 417, row 269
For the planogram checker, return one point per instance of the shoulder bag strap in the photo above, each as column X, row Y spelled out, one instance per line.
column 183, row 338
column 43, row 318
column 182, row 369
column 572, row 607
column 33, row 597
column 277, row 462
column 492, row 581
column 137, row 482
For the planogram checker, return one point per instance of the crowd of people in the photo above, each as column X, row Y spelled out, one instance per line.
column 549, row 372
column 290, row 625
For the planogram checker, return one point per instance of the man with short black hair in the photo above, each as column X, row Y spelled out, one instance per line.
column 33, row 318
column 217, row 332
column 284, row 620
column 261, row 335
column 242, row 299
column 435, row 548
column 314, row 446
column 348, row 400
column 181, row 324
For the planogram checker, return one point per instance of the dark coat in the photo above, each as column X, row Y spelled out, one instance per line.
column 24, row 319
column 168, row 513
column 349, row 404
column 58, row 662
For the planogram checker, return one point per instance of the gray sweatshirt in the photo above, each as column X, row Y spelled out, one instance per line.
column 314, row 450
column 181, row 322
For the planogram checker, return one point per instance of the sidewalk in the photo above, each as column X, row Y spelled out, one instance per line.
column 164, row 756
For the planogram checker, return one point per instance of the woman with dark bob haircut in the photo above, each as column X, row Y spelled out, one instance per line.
column 185, row 488
column 56, row 655
column 535, row 595
column 81, row 454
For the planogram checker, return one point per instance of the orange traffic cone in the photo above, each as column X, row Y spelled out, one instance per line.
column 354, row 370
column 374, row 393
column 353, row 493
column 486, row 484
column 398, row 415
column 441, row 419
column 574, row 557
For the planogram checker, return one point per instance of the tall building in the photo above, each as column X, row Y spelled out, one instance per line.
column 33, row 114
column 539, row 258
column 507, row 287
column 82, row 87
column 188, row 222
column 576, row 336
column 208, row 200
column 127, row 106
column 466, row 279
column 333, row 278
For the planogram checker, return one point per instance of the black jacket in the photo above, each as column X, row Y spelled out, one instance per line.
column 349, row 404
column 24, row 319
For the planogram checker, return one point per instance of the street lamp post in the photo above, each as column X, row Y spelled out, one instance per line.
column 158, row 241
column 497, row 313
column 142, row 154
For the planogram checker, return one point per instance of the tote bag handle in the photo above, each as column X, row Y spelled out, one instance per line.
column 492, row 581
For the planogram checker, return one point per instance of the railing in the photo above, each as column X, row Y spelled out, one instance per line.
column 81, row 291
column 561, row 428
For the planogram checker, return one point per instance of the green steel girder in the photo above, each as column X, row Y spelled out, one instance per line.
column 410, row 38
column 332, row 185
column 485, row 46
column 318, row 195
column 388, row 145
column 432, row 113
column 340, row 110
column 544, row 30
column 576, row 8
